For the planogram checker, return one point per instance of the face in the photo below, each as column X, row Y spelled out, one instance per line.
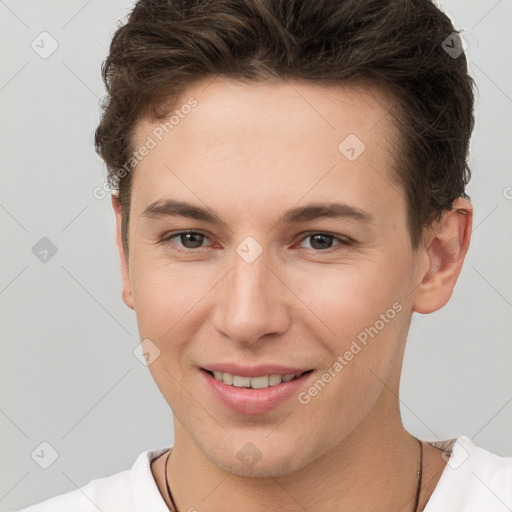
column 265, row 282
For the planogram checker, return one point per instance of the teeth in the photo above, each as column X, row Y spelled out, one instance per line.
column 241, row 382
column 227, row 378
column 262, row 382
column 259, row 382
column 275, row 379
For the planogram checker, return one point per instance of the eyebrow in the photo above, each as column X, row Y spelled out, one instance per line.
column 333, row 210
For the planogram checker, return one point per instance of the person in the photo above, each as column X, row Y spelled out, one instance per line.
column 289, row 188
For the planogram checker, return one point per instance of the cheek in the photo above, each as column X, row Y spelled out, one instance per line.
column 362, row 319
column 365, row 316
column 164, row 294
column 171, row 305
column 349, row 298
column 168, row 302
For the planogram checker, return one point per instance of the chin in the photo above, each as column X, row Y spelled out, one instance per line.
column 259, row 458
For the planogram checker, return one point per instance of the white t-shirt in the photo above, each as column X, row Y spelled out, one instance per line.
column 474, row 480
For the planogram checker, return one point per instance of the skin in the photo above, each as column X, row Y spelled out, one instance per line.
column 249, row 152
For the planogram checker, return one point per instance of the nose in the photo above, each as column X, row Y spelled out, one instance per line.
column 252, row 302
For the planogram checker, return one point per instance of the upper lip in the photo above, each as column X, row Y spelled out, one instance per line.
column 254, row 371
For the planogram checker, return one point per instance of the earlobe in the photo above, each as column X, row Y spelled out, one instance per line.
column 446, row 252
column 125, row 273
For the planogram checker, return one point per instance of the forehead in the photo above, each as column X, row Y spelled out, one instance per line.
column 224, row 105
column 258, row 144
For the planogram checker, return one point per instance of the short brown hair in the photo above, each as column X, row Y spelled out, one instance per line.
column 397, row 45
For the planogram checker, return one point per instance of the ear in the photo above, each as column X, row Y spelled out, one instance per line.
column 447, row 247
column 125, row 273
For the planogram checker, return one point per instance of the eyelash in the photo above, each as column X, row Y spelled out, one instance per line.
column 343, row 242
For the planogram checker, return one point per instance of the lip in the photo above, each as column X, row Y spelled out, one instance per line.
column 250, row 401
column 254, row 371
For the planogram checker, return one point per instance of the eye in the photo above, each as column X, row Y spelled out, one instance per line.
column 193, row 240
column 189, row 239
column 321, row 241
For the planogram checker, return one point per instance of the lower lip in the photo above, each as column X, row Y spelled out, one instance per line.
column 254, row 401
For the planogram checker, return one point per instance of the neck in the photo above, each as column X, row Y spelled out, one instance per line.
column 374, row 468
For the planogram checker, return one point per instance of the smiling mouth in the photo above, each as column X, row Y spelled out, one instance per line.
column 260, row 382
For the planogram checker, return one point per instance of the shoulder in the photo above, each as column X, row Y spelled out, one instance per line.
column 473, row 480
column 121, row 492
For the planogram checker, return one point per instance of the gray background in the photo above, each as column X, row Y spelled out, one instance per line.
column 68, row 373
